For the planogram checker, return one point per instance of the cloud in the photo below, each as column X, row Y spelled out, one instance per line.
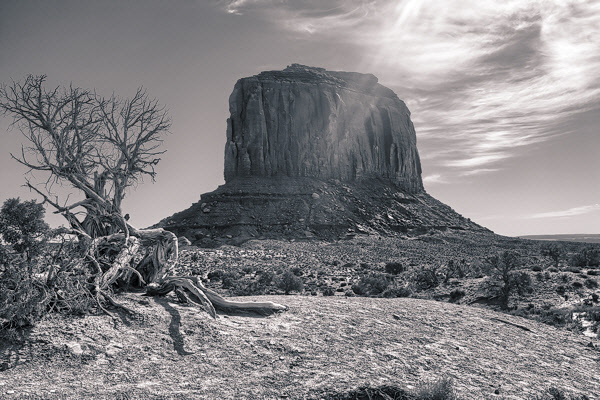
column 434, row 178
column 568, row 213
column 485, row 80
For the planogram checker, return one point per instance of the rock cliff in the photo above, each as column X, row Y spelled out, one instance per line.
column 316, row 153
column 306, row 121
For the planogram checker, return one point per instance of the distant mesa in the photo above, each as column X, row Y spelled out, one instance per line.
column 316, row 153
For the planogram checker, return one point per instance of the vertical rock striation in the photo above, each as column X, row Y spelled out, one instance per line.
column 309, row 122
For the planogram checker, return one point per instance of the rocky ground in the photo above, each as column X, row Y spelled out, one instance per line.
column 319, row 346
column 323, row 344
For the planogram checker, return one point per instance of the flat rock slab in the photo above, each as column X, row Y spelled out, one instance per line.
column 175, row 351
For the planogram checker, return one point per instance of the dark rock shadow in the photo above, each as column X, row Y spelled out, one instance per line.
column 174, row 331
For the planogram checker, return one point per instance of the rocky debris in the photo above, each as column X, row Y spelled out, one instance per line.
column 306, row 121
column 289, row 207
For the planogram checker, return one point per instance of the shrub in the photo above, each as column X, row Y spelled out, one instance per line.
column 577, row 260
column 297, row 271
column 266, row 277
column 553, row 250
column 372, row 284
column 328, row 291
column 442, row 389
column 396, row 291
column 593, row 272
column 394, row 268
column 288, row 282
column 577, row 284
column 215, row 275
column 229, row 279
column 591, row 283
column 536, row 268
column 595, row 297
column 427, row 277
column 22, row 226
column 504, row 278
column 552, row 269
column 456, row 295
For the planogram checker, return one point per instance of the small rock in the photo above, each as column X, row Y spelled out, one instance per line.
column 315, row 196
column 590, row 344
column 396, row 316
column 206, row 210
column 10, row 392
column 74, row 348
column 497, row 391
column 183, row 241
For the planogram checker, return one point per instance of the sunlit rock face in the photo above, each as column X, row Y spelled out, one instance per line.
column 309, row 122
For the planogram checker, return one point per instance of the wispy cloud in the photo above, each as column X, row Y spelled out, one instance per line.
column 434, row 178
column 484, row 79
column 568, row 213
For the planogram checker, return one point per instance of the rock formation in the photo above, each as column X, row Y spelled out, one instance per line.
column 306, row 121
column 316, row 153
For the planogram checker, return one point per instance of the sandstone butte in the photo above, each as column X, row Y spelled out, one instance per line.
column 316, row 153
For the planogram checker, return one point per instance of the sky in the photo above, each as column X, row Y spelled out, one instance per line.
column 504, row 96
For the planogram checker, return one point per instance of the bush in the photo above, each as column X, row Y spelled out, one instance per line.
column 442, row 389
column 328, row 291
column 394, row 268
column 591, row 283
column 215, row 275
column 229, row 279
column 288, row 282
column 577, row 284
column 593, row 272
column 266, row 277
column 396, row 291
column 22, row 226
column 427, row 278
column 372, row 284
column 575, row 270
column 456, row 295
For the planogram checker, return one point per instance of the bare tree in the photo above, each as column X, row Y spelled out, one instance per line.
column 101, row 147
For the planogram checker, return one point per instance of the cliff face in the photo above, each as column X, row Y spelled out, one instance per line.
column 309, row 122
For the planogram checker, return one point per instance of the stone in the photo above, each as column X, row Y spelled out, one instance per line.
column 306, row 121
column 74, row 348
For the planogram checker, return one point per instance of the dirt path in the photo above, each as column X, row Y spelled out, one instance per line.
column 174, row 351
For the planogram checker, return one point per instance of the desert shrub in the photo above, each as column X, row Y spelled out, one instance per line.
column 553, row 250
column 366, row 266
column 455, row 270
column 349, row 293
column 229, row 279
column 504, row 278
column 247, row 270
column 456, row 295
column 195, row 257
column 248, row 287
column 22, row 226
column 577, row 260
column 394, row 268
column 328, row 291
column 372, row 284
column 21, row 300
column 577, row 284
column 560, row 289
column 552, row 269
column 265, row 277
column 591, row 283
column 215, row 275
column 396, row 291
column 595, row 297
column 349, row 265
column 288, row 282
column 297, row 271
column 536, row 268
column 427, row 277
column 442, row 389
column 593, row 272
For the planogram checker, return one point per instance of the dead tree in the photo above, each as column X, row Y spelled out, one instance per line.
column 101, row 147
